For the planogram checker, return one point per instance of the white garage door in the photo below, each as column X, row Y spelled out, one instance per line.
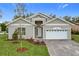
column 56, row 34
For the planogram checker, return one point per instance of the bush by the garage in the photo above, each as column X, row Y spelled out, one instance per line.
column 75, row 32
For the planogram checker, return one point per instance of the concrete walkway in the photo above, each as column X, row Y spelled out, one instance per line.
column 62, row 47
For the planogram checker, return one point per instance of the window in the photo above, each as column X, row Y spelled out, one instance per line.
column 38, row 22
column 46, row 19
column 22, row 30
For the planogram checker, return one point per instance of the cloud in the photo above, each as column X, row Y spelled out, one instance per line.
column 0, row 21
column 63, row 6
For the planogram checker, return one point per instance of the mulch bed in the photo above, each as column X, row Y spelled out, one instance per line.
column 21, row 49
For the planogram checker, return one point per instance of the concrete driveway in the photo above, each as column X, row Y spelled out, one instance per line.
column 62, row 47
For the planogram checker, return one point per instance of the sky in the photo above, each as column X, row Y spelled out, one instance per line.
column 59, row 9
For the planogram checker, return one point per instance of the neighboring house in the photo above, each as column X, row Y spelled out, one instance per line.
column 41, row 26
column 75, row 28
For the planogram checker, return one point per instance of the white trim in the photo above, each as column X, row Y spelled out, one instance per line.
column 48, row 22
column 69, row 33
column 44, row 32
column 33, row 32
column 20, row 19
column 57, row 24
column 37, row 19
column 59, row 19
column 14, row 20
column 21, row 24
column 46, row 16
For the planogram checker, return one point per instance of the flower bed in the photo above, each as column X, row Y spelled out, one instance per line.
column 36, row 41
column 21, row 49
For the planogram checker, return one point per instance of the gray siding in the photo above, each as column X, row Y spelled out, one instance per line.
column 29, row 31
column 28, row 34
column 57, row 21
column 21, row 23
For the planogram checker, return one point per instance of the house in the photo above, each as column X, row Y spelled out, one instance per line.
column 75, row 28
column 40, row 26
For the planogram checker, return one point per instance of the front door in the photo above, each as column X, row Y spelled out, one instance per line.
column 38, row 32
column 38, row 29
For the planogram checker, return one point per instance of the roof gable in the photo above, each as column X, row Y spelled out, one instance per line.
column 59, row 21
column 20, row 20
column 39, row 15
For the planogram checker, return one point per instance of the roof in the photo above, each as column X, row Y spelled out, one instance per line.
column 59, row 19
column 44, row 15
column 21, row 19
column 51, row 19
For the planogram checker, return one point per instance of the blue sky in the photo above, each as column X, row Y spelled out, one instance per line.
column 60, row 9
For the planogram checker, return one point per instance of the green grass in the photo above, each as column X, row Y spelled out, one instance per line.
column 75, row 38
column 7, row 48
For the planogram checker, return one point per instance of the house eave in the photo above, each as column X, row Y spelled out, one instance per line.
column 21, row 19
column 59, row 19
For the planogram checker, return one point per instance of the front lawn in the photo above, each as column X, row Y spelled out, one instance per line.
column 75, row 37
column 7, row 48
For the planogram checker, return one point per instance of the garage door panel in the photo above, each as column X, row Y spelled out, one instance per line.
column 56, row 34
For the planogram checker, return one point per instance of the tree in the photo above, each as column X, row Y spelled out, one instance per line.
column 20, row 9
column 15, row 17
column 75, row 19
column 29, row 14
column 53, row 16
column 0, row 18
column 0, row 13
column 3, row 27
column 67, row 18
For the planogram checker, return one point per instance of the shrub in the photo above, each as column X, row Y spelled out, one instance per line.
column 30, row 40
column 15, row 35
column 42, row 42
column 3, row 27
column 75, row 32
column 36, row 41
